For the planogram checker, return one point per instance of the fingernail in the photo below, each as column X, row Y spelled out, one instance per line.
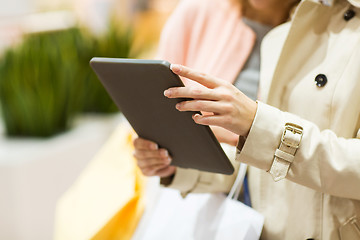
column 164, row 153
column 176, row 68
column 167, row 93
column 177, row 106
column 168, row 160
column 195, row 116
column 154, row 146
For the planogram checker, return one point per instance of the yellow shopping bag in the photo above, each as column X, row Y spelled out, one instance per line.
column 106, row 202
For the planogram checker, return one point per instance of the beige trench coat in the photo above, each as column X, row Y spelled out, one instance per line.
column 304, row 145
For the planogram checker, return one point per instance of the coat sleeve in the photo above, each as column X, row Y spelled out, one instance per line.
column 195, row 181
column 323, row 161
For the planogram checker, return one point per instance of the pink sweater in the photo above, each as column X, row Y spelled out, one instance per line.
column 207, row 35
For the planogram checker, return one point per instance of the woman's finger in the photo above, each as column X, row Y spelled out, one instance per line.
column 144, row 154
column 143, row 144
column 151, row 171
column 203, row 79
column 216, row 107
column 226, row 122
column 150, row 162
column 191, row 92
column 214, row 120
column 237, row 125
column 165, row 172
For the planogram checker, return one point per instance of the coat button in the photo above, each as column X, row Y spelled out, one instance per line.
column 320, row 80
column 349, row 14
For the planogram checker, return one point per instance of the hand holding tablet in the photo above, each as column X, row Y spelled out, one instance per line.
column 137, row 87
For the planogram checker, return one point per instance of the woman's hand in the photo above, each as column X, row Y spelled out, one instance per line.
column 151, row 160
column 232, row 109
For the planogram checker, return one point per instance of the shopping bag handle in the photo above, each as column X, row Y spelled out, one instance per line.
column 236, row 188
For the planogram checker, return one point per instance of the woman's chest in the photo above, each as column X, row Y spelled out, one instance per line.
column 317, row 75
column 327, row 92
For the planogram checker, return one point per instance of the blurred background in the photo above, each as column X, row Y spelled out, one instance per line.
column 54, row 113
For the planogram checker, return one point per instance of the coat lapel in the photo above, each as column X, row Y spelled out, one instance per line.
column 300, row 44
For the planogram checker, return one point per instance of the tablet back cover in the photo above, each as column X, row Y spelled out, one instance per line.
column 137, row 87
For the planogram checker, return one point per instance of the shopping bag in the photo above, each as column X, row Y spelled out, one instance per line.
column 199, row 216
column 106, row 202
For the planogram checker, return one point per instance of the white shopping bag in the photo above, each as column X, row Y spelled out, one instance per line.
column 199, row 216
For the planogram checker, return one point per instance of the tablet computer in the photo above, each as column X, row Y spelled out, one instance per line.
column 137, row 88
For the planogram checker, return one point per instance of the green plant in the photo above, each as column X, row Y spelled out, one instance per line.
column 37, row 85
column 115, row 43
column 47, row 79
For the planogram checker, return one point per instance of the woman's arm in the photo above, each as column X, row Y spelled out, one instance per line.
column 323, row 161
column 281, row 143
